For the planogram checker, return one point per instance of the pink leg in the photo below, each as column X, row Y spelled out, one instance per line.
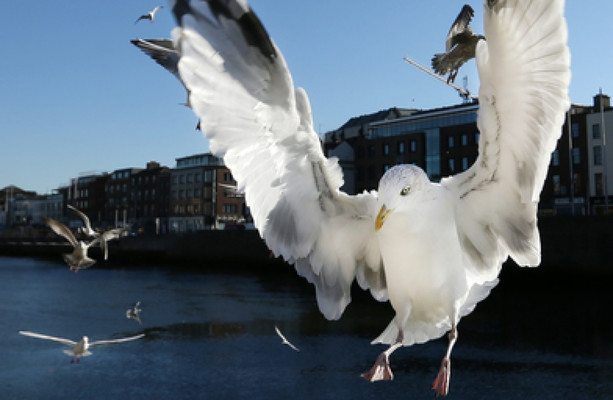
column 381, row 370
column 441, row 382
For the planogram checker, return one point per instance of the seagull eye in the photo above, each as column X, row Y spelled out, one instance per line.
column 405, row 190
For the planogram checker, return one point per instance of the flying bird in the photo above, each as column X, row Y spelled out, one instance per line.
column 459, row 46
column 109, row 235
column 284, row 340
column 133, row 313
column 86, row 229
column 78, row 259
column 150, row 15
column 434, row 250
column 81, row 348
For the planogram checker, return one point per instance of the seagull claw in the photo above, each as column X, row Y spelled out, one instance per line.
column 380, row 371
column 441, row 382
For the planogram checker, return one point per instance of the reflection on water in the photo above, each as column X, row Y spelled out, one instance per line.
column 211, row 335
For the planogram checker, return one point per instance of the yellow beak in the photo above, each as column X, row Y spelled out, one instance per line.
column 381, row 217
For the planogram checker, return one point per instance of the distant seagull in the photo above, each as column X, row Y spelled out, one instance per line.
column 133, row 313
column 86, row 229
column 459, row 47
column 78, row 259
column 80, row 349
column 285, row 341
column 150, row 15
column 111, row 234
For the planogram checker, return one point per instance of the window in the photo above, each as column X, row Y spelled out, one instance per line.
column 464, row 163
column 208, row 176
column 182, row 179
column 575, row 130
column 400, row 148
column 451, row 164
column 477, row 137
column 189, row 178
column 576, row 156
column 197, row 177
column 464, row 139
column 556, row 184
column 598, row 184
column 227, row 177
column 230, row 208
column 413, row 146
column 577, row 183
column 597, row 155
column 450, row 142
column 385, row 149
column 555, row 158
column 596, row 131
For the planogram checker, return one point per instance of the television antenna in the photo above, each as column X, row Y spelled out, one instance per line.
column 462, row 91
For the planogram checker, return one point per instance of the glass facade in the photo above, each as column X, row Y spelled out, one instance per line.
column 433, row 154
column 430, row 124
column 420, row 123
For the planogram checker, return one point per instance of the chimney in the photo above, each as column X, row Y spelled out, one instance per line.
column 606, row 101
column 153, row 165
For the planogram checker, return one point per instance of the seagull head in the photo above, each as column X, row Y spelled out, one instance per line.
column 399, row 190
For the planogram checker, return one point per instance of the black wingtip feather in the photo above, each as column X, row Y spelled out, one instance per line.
column 252, row 28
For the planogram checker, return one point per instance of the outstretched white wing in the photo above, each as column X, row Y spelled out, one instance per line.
column 67, row 342
column 61, row 230
column 242, row 91
column 83, row 217
column 524, row 68
column 115, row 341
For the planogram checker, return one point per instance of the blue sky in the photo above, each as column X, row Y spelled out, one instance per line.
column 76, row 97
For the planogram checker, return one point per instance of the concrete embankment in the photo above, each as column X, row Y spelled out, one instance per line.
column 581, row 245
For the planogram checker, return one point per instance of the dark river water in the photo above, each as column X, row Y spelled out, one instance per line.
column 210, row 335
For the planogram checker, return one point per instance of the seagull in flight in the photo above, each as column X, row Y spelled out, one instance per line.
column 78, row 259
column 81, row 348
column 108, row 235
column 150, row 15
column 432, row 249
column 86, row 229
column 460, row 45
column 284, row 339
column 133, row 313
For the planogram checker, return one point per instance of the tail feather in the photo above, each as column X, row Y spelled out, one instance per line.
column 440, row 64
